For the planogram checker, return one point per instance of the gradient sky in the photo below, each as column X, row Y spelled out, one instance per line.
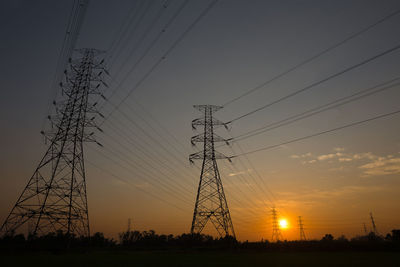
column 333, row 181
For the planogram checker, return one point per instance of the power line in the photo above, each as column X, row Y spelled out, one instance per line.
column 143, row 36
column 231, row 167
column 242, row 177
column 311, row 112
column 155, row 155
column 124, row 157
column 123, row 28
column 165, row 187
column 320, row 133
column 388, row 51
column 75, row 20
column 104, row 170
column 161, row 59
column 352, row 36
column 152, row 44
column 133, row 31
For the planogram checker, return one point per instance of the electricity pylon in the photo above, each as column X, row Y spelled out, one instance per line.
column 276, row 231
column 211, row 204
column 55, row 197
column 365, row 229
column 373, row 224
column 301, row 229
column 129, row 225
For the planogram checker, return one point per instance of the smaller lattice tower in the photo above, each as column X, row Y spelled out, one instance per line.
column 276, row 231
column 365, row 229
column 301, row 229
column 373, row 224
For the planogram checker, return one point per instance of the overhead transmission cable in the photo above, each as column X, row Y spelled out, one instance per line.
column 153, row 157
column 319, row 133
column 124, row 157
column 148, row 135
column 104, row 170
column 74, row 24
column 187, row 152
column 308, row 60
column 131, row 14
column 322, row 108
column 156, row 182
column 153, row 129
column 143, row 36
column 136, row 25
column 147, row 50
column 386, row 52
column 164, row 56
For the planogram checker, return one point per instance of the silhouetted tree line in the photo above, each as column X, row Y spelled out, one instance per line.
column 149, row 240
column 54, row 242
column 146, row 239
column 370, row 242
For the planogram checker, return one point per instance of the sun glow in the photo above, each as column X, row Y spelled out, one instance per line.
column 283, row 224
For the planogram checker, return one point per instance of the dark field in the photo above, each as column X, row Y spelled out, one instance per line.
column 174, row 258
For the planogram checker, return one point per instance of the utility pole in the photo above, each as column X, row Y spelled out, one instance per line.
column 211, row 204
column 301, row 230
column 276, row 231
column 373, row 224
column 129, row 225
column 55, row 198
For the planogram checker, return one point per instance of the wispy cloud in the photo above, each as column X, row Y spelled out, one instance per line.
column 330, row 156
column 345, row 159
column 239, row 173
column 382, row 166
column 371, row 164
column 301, row 156
column 337, row 192
column 367, row 155
column 339, row 149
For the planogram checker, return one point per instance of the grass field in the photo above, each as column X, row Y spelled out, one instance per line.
column 204, row 259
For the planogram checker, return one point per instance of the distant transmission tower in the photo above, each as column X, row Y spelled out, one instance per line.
column 365, row 229
column 301, row 230
column 276, row 231
column 211, row 204
column 129, row 225
column 55, row 197
column 373, row 224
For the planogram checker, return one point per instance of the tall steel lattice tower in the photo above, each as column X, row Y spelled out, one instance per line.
column 55, row 197
column 211, row 204
column 276, row 231
column 301, row 229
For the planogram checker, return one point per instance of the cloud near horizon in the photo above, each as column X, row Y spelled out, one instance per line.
column 373, row 165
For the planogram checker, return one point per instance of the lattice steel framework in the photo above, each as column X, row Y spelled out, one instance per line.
column 211, row 204
column 301, row 229
column 373, row 224
column 55, row 197
column 365, row 229
column 276, row 231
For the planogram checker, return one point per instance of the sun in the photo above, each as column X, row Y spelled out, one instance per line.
column 283, row 224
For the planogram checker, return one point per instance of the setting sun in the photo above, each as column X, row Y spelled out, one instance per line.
column 283, row 224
